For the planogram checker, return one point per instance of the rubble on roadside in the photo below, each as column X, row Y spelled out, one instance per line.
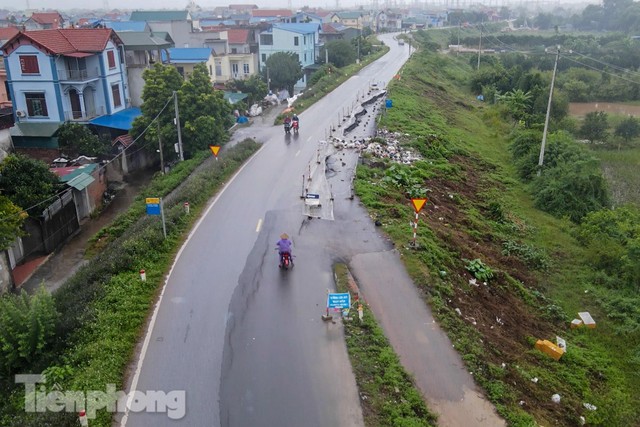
column 389, row 148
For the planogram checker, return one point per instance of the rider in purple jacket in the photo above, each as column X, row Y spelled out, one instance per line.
column 284, row 246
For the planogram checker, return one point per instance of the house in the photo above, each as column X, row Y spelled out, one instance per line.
column 186, row 58
column 5, row 34
column 141, row 50
column 243, row 63
column 271, row 15
column 178, row 23
column 349, row 19
column 301, row 39
column 63, row 75
column 336, row 31
column 44, row 21
column 87, row 183
column 242, row 8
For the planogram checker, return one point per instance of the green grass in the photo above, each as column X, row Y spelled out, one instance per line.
column 466, row 144
column 388, row 394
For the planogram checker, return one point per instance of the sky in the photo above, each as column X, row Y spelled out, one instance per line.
column 271, row 4
column 163, row 4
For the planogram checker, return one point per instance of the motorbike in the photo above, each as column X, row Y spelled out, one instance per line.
column 295, row 125
column 285, row 261
column 287, row 127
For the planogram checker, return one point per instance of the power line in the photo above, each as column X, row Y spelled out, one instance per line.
column 104, row 165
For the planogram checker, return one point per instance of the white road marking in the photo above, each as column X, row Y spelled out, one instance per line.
column 259, row 226
column 147, row 338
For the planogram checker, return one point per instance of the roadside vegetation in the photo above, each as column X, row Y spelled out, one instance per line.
column 507, row 257
column 388, row 394
column 83, row 336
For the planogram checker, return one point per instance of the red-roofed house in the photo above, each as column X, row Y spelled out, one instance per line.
column 271, row 15
column 5, row 34
column 240, row 63
column 65, row 74
column 44, row 21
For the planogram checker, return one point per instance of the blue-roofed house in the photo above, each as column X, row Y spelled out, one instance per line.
column 127, row 26
column 301, row 39
column 186, row 58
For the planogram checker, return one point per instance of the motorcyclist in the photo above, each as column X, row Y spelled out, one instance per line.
column 284, row 247
column 287, row 120
column 295, row 121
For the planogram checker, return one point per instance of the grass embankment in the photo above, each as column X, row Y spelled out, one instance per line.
column 535, row 273
column 103, row 308
column 388, row 394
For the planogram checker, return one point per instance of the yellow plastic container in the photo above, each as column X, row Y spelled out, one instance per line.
column 550, row 349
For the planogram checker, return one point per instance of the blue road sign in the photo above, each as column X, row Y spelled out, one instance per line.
column 153, row 205
column 313, row 196
column 389, row 103
column 339, row 300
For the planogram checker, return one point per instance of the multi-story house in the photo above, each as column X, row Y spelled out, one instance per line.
column 349, row 19
column 44, row 21
column 60, row 75
column 186, row 58
column 178, row 23
column 301, row 39
column 271, row 15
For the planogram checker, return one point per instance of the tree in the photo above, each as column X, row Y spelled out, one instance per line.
column 204, row 113
column 11, row 222
column 340, row 53
column 628, row 129
column 76, row 139
column 159, row 84
column 518, row 102
column 595, row 126
column 28, row 182
column 254, row 86
column 284, row 70
column 27, row 326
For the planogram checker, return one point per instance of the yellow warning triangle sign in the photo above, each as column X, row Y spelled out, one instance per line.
column 214, row 149
column 418, row 204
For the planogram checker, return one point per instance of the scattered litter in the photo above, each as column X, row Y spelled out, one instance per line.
column 473, row 282
column 583, row 421
column 534, row 380
column 589, row 406
column 560, row 342
column 550, row 349
column 576, row 323
column 521, row 403
column 457, row 310
column 555, row 398
column 503, row 365
column 499, row 321
column 587, row 319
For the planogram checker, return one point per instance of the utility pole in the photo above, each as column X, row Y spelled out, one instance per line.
column 175, row 98
column 160, row 148
column 480, row 45
column 268, row 80
column 546, row 120
column 459, row 25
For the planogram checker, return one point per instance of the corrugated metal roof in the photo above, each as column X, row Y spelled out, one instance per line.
column 299, row 28
column 144, row 40
column 127, row 26
column 81, row 181
column 188, row 54
column 159, row 15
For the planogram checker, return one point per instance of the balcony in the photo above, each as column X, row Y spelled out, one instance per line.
column 77, row 116
column 67, row 75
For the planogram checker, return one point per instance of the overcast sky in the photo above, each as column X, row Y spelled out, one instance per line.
column 164, row 4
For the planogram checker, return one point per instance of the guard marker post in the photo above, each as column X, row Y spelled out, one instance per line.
column 84, row 422
column 186, row 207
column 417, row 206
column 143, row 275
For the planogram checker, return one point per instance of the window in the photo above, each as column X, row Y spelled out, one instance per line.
column 304, row 40
column 210, row 70
column 218, row 68
column 234, row 50
column 36, row 104
column 181, row 71
column 245, row 68
column 305, row 58
column 264, row 57
column 266, row 39
column 115, row 91
column 111, row 59
column 235, row 69
column 295, row 41
column 29, row 64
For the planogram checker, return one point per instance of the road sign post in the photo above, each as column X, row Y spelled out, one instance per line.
column 337, row 302
column 215, row 149
column 418, row 203
column 155, row 207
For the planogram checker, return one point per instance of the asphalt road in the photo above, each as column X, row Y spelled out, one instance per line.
column 244, row 339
